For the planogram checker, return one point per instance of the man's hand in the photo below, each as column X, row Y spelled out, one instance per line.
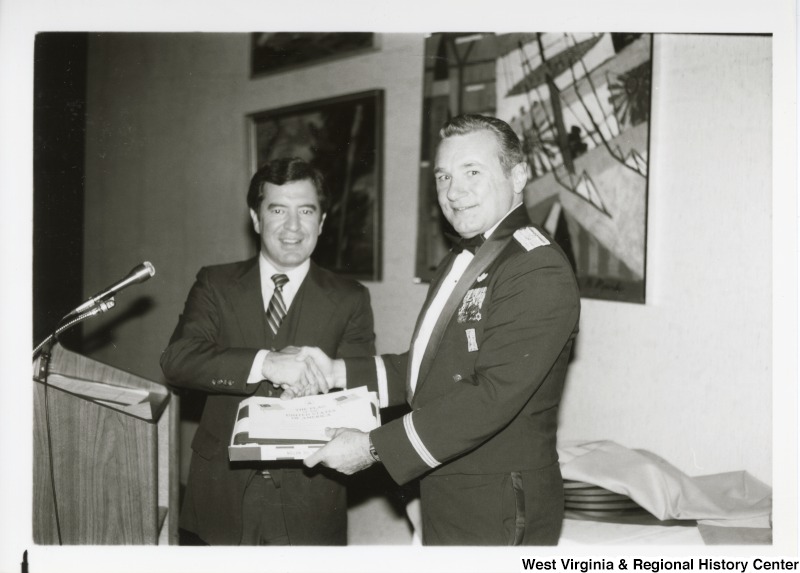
column 347, row 452
column 298, row 375
column 333, row 372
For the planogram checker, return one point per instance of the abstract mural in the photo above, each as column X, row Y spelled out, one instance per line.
column 580, row 104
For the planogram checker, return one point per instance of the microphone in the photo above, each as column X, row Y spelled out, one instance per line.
column 138, row 274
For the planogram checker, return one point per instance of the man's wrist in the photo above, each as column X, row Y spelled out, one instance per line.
column 339, row 374
column 266, row 365
column 257, row 369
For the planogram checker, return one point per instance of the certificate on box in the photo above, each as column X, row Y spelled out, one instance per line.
column 275, row 429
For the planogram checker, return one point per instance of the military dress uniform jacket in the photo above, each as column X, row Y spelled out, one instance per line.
column 222, row 327
column 491, row 377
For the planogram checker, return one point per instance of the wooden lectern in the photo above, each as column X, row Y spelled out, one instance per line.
column 111, row 434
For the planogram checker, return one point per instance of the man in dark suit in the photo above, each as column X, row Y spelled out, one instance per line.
column 485, row 372
column 235, row 316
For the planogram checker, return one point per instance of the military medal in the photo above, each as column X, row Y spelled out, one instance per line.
column 470, row 310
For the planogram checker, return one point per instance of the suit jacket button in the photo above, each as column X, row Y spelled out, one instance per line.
column 457, row 378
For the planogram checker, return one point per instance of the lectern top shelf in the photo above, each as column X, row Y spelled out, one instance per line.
column 105, row 385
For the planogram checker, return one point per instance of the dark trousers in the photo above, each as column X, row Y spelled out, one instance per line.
column 297, row 506
column 263, row 522
column 517, row 508
column 294, row 507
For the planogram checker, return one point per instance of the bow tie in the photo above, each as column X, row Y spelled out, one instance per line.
column 461, row 244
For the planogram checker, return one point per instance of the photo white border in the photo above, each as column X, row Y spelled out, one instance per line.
column 21, row 19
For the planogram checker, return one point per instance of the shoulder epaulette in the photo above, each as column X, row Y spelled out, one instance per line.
column 530, row 238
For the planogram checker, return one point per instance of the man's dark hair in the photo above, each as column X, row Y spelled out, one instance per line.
column 282, row 171
column 510, row 147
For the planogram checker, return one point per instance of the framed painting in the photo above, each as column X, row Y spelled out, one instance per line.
column 273, row 52
column 343, row 138
column 580, row 104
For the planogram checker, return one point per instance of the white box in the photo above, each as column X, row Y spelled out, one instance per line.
column 269, row 429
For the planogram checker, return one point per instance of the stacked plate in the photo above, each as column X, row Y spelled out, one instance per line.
column 595, row 501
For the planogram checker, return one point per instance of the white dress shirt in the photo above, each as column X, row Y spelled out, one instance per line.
column 449, row 283
column 296, row 277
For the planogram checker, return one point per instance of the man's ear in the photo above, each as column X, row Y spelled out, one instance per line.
column 321, row 222
column 519, row 176
column 256, row 222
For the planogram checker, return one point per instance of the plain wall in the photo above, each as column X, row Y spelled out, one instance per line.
column 686, row 375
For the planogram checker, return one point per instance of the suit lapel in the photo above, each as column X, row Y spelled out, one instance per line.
column 485, row 256
column 311, row 308
column 436, row 284
column 248, row 305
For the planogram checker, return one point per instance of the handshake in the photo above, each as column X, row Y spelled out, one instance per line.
column 306, row 371
column 303, row 371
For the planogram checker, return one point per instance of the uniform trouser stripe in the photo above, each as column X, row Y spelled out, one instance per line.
column 417, row 444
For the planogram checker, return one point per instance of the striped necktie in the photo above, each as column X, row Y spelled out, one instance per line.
column 277, row 308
